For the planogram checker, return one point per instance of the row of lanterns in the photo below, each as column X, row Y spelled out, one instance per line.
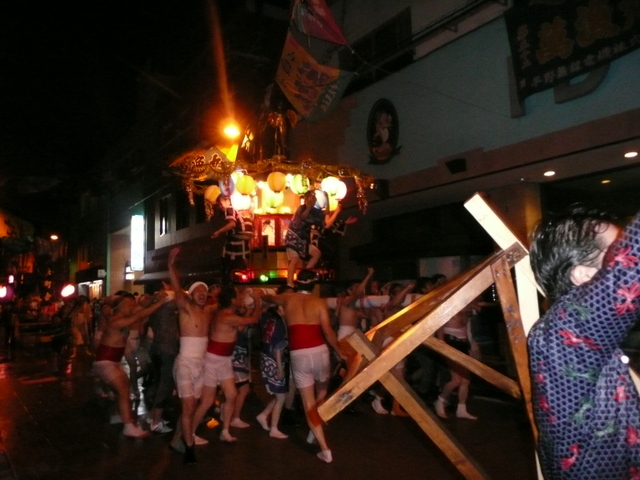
column 241, row 189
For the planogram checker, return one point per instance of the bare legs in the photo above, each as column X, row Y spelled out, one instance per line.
column 295, row 262
column 120, row 385
column 273, row 408
column 230, row 394
column 238, row 403
column 460, row 380
column 311, row 397
column 293, row 265
column 315, row 256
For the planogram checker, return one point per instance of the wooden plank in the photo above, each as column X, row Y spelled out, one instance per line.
column 526, row 283
column 517, row 337
column 424, row 305
column 405, row 344
column 495, row 378
column 424, row 417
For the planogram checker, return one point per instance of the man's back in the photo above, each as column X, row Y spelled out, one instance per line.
column 301, row 308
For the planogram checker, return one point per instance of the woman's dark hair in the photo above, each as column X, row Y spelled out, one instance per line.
column 563, row 241
column 226, row 296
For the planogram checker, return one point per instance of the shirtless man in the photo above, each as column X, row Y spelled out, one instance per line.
column 194, row 318
column 132, row 352
column 310, row 330
column 456, row 333
column 218, row 369
column 348, row 314
column 106, row 365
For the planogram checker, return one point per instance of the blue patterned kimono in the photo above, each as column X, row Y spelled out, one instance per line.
column 274, row 339
column 585, row 404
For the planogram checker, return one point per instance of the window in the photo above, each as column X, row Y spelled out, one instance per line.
column 164, row 215
column 375, row 54
column 183, row 210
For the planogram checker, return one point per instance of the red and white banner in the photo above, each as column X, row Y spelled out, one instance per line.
column 314, row 18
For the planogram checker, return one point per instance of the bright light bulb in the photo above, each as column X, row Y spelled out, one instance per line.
column 631, row 154
column 549, row 173
column 231, row 131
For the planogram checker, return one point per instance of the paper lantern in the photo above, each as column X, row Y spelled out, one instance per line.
column 322, row 200
column 227, row 186
column 240, row 201
column 277, row 181
column 212, row 193
column 342, row 190
column 273, row 199
column 299, row 184
column 329, row 185
column 245, row 184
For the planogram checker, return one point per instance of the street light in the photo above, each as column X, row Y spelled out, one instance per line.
column 67, row 290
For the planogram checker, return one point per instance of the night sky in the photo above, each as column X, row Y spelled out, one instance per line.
column 69, row 78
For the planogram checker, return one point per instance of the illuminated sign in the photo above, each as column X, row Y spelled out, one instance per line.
column 137, row 243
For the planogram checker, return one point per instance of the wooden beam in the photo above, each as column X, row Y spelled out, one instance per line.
column 525, row 282
column 424, row 417
column 424, row 305
column 495, row 378
column 404, row 344
column 517, row 337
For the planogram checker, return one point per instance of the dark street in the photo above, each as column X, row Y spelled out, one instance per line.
column 55, row 426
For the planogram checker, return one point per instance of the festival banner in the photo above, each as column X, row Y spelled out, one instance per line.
column 314, row 18
column 552, row 42
column 312, row 88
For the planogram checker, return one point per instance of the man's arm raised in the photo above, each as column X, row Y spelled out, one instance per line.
column 119, row 322
column 181, row 297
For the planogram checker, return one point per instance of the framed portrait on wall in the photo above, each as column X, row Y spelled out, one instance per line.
column 383, row 131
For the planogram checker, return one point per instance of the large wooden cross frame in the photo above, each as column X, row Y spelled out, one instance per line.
column 417, row 323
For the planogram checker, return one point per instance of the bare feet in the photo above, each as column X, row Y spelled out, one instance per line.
column 275, row 433
column 325, row 456
column 236, row 422
column 462, row 413
column 262, row 420
column 440, row 408
column 199, row 440
column 225, row 436
column 131, row 430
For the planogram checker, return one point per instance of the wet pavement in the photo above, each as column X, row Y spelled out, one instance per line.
column 55, row 426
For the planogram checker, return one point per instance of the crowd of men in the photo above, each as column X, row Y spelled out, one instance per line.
column 191, row 342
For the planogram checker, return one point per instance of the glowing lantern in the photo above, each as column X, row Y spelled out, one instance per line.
column 245, row 184
column 240, row 201
column 67, row 290
column 299, row 184
column 322, row 200
column 277, row 181
column 342, row 190
column 227, row 186
column 330, row 185
column 273, row 199
column 212, row 193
